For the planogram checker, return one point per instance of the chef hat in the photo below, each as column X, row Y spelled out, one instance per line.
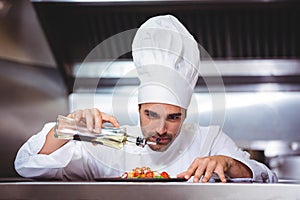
column 166, row 57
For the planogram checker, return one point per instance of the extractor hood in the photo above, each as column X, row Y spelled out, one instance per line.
column 259, row 37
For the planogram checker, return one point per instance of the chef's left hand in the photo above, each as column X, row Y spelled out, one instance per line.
column 220, row 165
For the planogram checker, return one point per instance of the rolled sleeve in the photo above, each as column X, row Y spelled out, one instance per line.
column 29, row 163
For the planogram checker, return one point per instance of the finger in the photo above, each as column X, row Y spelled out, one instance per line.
column 77, row 115
column 207, row 176
column 97, row 120
column 192, row 168
column 94, row 143
column 89, row 119
column 211, row 165
column 199, row 172
column 220, row 172
column 181, row 175
column 110, row 119
column 202, row 165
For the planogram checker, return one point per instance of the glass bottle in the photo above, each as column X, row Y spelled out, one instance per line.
column 68, row 128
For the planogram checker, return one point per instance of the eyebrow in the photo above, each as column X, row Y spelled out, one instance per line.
column 169, row 115
column 175, row 115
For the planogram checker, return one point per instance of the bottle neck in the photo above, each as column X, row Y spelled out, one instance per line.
column 138, row 141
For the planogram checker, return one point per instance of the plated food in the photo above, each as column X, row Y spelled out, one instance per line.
column 144, row 172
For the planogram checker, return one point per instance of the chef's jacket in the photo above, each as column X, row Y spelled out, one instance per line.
column 78, row 160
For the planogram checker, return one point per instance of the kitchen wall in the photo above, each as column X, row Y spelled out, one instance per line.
column 31, row 89
column 30, row 97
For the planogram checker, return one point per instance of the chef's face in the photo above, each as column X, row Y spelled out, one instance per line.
column 162, row 122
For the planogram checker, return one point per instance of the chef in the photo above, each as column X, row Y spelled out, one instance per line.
column 167, row 59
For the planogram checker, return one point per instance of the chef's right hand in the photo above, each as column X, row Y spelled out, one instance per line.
column 93, row 118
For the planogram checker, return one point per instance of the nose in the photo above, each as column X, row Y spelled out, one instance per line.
column 161, row 127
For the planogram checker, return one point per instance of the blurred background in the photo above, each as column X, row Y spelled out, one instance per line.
column 56, row 56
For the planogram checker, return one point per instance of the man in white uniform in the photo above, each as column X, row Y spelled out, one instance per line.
column 167, row 61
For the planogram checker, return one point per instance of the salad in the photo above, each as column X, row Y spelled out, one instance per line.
column 144, row 172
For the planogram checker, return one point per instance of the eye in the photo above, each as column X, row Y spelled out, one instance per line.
column 151, row 115
column 174, row 117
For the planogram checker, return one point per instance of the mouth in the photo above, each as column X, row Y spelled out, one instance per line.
column 160, row 140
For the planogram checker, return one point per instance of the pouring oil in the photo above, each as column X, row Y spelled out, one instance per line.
column 67, row 128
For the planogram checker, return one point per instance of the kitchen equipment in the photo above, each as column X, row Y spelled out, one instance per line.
column 284, row 159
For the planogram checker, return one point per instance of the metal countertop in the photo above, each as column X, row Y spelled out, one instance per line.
column 142, row 190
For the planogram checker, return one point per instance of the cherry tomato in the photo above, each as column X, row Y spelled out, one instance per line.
column 136, row 174
column 149, row 174
column 165, row 175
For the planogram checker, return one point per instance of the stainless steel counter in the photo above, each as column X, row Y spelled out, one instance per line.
column 110, row 190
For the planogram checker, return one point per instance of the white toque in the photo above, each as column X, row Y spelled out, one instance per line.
column 167, row 60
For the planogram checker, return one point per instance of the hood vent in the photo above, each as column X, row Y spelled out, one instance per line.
column 240, row 30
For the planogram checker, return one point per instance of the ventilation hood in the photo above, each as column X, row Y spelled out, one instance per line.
column 251, row 41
